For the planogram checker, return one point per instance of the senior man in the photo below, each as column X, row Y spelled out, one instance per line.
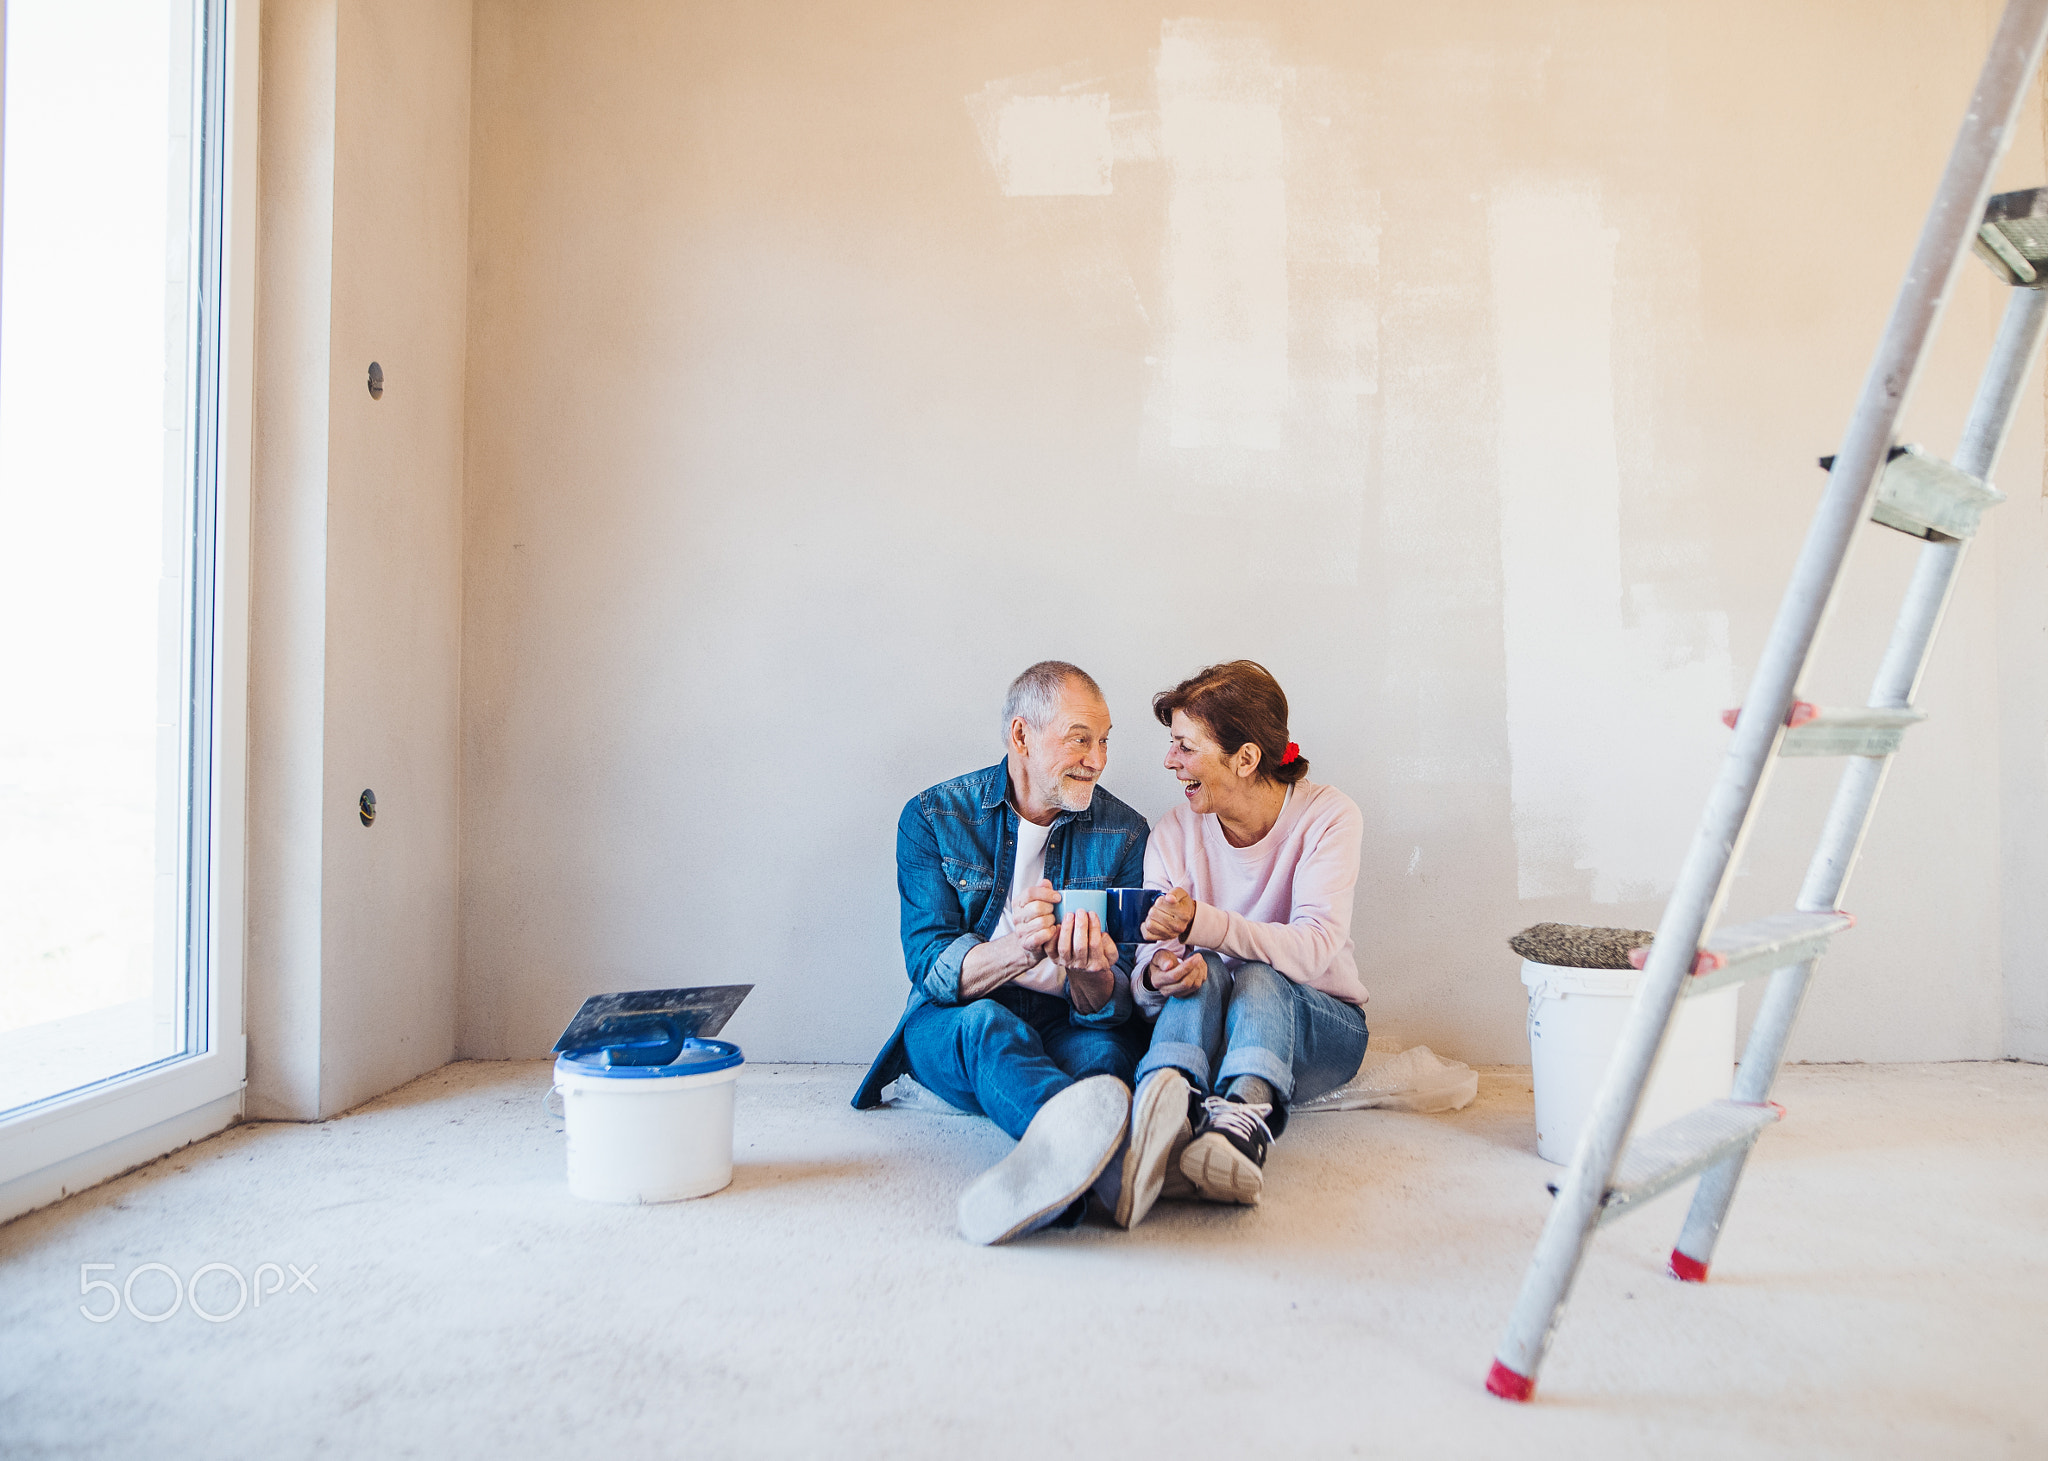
column 1015, row 1013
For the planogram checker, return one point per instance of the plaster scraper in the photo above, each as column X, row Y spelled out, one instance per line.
column 649, row 1026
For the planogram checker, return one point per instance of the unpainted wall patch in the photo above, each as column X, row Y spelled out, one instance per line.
column 1054, row 146
column 1608, row 685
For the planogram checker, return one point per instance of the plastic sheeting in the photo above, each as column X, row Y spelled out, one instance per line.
column 1408, row 1080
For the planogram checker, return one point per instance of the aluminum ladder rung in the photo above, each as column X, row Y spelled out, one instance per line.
column 2013, row 238
column 1680, row 1149
column 1840, row 730
column 1864, row 730
column 1745, row 951
column 1924, row 497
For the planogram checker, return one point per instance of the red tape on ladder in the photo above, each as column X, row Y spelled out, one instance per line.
column 1687, row 1269
column 1801, row 712
column 1508, row 1385
column 1706, row 961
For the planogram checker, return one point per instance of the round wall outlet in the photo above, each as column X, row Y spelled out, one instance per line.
column 376, row 381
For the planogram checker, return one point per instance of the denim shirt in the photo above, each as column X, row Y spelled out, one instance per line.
column 956, row 847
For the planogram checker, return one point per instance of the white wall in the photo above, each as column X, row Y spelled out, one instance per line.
column 1466, row 364
column 2019, row 547
column 358, row 549
column 288, row 559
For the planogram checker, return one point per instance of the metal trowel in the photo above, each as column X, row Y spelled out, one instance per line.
column 649, row 1026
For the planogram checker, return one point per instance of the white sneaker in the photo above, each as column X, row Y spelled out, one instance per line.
column 1162, row 1122
column 1061, row 1153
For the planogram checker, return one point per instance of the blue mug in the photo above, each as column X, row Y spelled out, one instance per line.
column 1127, row 910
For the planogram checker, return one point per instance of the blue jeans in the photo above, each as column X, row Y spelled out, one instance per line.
column 1006, row 1055
column 1300, row 1041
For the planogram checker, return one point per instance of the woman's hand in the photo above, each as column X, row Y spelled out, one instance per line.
column 1170, row 917
column 1174, row 976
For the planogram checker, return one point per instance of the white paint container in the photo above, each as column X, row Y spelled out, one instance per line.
column 649, row 1133
column 1575, row 1020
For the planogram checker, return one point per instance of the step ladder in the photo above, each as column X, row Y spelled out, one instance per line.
column 1939, row 502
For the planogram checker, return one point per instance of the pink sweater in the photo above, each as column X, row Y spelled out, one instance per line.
column 1284, row 901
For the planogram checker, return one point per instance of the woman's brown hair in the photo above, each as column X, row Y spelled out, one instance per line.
column 1238, row 704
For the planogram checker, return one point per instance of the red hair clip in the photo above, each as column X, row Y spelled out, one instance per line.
column 1293, row 754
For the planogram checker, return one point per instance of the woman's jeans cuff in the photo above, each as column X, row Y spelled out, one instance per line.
column 1191, row 1060
column 1268, row 1067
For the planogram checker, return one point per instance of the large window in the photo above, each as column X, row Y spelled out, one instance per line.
column 110, row 493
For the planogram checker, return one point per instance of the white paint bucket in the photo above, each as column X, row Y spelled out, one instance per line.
column 1575, row 1020
column 649, row 1133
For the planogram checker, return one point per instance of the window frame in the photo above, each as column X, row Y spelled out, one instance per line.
column 68, row 1142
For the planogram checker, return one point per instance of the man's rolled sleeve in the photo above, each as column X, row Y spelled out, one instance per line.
column 1119, row 1006
column 941, row 982
column 935, row 933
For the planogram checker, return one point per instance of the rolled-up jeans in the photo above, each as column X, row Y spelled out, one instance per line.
column 1298, row 1040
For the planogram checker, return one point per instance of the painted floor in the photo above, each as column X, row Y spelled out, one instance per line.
column 437, row 1293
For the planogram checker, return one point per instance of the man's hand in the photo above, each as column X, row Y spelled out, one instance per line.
column 1089, row 957
column 1175, row 976
column 1036, row 921
column 1082, row 947
column 988, row 967
column 1170, row 917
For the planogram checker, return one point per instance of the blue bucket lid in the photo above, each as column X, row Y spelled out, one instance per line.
column 622, row 1062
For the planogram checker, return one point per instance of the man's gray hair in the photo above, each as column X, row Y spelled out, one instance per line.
column 1035, row 694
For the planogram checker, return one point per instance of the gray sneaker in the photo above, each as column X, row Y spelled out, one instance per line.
column 1162, row 1121
column 1061, row 1153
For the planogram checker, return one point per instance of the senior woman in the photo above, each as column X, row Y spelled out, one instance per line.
column 1249, row 965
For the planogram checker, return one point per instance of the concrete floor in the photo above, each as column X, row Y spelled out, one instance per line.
column 1880, row 1293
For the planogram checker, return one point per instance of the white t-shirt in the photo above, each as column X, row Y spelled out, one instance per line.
column 1048, row 977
